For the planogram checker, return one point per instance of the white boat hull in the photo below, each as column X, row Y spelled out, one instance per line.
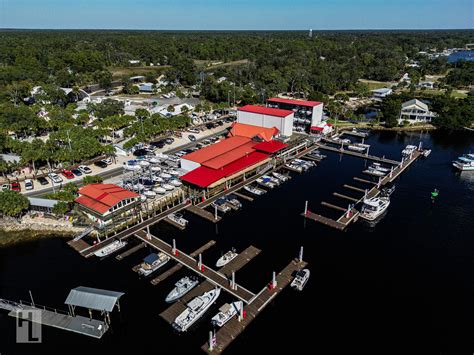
column 110, row 249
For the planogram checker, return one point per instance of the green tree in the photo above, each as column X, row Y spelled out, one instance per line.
column 12, row 203
column 391, row 108
column 61, row 208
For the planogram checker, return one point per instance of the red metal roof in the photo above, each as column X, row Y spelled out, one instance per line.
column 100, row 197
column 270, row 147
column 216, row 149
column 204, row 176
column 314, row 128
column 294, row 102
column 266, row 111
column 231, row 156
column 250, row 131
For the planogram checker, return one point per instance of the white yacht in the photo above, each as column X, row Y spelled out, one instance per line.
column 300, row 280
column 195, row 309
column 182, row 287
column 253, row 190
column 226, row 258
column 226, row 312
column 165, row 175
column 178, row 218
column 374, row 207
column 379, row 167
column 152, row 263
column 111, row 248
column 426, row 153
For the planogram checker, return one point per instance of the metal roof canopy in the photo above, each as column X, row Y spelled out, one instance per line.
column 93, row 298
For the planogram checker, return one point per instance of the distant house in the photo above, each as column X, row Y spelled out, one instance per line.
column 146, row 88
column 106, row 203
column 42, row 204
column 426, row 84
column 415, row 111
column 381, row 93
column 137, row 79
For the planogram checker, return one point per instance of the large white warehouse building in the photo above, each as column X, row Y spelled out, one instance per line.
column 267, row 117
column 307, row 113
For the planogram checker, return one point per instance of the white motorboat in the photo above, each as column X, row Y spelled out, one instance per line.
column 138, row 187
column 111, row 248
column 280, row 177
column 426, row 153
column 272, row 179
column 167, row 187
column 150, row 194
column 374, row 172
column 300, row 280
column 176, row 182
column 226, row 258
column 173, row 172
column 182, row 287
column 152, row 263
column 155, row 169
column 233, row 201
column 265, row 182
column 153, row 160
column 346, row 141
column 165, row 175
column 374, row 207
column 356, row 148
column 132, row 165
column 143, row 163
column 143, row 198
column 226, row 312
column 221, row 205
column 379, row 167
column 464, row 164
column 159, row 190
column 195, row 309
column 409, row 149
column 254, row 190
column 178, row 218
column 294, row 167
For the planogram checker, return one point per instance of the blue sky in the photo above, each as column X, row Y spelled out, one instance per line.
column 237, row 14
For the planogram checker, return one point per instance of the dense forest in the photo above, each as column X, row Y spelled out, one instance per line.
column 256, row 65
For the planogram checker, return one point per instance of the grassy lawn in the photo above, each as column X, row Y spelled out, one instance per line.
column 372, row 84
column 206, row 64
column 118, row 72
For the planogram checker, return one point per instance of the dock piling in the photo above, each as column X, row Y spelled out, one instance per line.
column 174, row 246
column 215, row 212
column 274, row 281
column 306, row 207
column 232, row 284
column 301, row 254
column 200, row 261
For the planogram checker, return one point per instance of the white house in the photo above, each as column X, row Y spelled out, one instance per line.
column 426, row 84
column 381, row 93
column 415, row 111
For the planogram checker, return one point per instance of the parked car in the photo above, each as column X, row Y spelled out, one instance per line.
column 55, row 178
column 5, row 187
column 67, row 174
column 76, row 172
column 84, row 169
column 192, row 138
column 193, row 130
column 180, row 153
column 169, row 140
column 15, row 186
column 107, row 161
column 42, row 180
column 29, row 184
column 101, row 164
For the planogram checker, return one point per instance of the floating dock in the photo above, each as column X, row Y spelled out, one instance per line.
column 244, row 197
column 201, row 212
column 174, row 224
column 130, row 251
column 234, row 327
column 359, row 155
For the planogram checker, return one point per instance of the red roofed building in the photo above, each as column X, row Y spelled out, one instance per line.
column 267, row 117
column 103, row 202
column 253, row 132
column 306, row 113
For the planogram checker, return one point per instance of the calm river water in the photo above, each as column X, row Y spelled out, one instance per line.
column 404, row 286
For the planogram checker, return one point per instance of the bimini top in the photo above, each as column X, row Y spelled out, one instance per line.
column 150, row 259
column 93, row 298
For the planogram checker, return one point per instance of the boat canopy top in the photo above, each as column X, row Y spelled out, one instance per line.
column 151, row 258
column 93, row 298
column 374, row 202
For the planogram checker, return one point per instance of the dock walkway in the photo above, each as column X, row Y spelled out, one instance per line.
column 359, row 155
column 233, row 328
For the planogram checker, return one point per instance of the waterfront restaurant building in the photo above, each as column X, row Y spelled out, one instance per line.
column 219, row 166
column 306, row 113
column 104, row 203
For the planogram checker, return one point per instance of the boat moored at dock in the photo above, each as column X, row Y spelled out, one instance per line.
column 300, row 280
column 178, row 218
column 111, row 248
column 182, row 287
column 221, row 205
column 374, row 208
column 195, row 310
column 152, row 263
column 226, row 312
column 226, row 258
column 254, row 190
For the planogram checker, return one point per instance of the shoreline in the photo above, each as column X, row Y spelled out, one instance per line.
column 392, row 129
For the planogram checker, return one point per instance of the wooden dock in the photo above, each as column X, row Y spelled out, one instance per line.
column 324, row 220
column 355, row 134
column 234, row 327
column 359, row 155
column 244, row 197
column 174, row 224
column 130, row 251
column 240, row 261
column 345, row 197
column 216, row 278
column 364, row 180
column 203, row 213
column 178, row 266
column 335, row 207
column 350, row 187
column 78, row 245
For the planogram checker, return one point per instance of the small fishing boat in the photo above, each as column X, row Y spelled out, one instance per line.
column 374, row 172
column 152, row 263
column 150, row 194
column 175, row 182
column 110, row 249
column 265, row 183
column 132, row 165
column 294, row 167
column 300, row 280
column 155, row 169
column 253, row 190
column 226, row 258
column 221, row 205
column 374, row 207
column 356, row 148
column 464, row 164
column 165, row 175
column 226, row 312
column 387, row 191
column 182, row 287
column 280, row 177
column 379, row 167
column 272, row 179
column 178, row 218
